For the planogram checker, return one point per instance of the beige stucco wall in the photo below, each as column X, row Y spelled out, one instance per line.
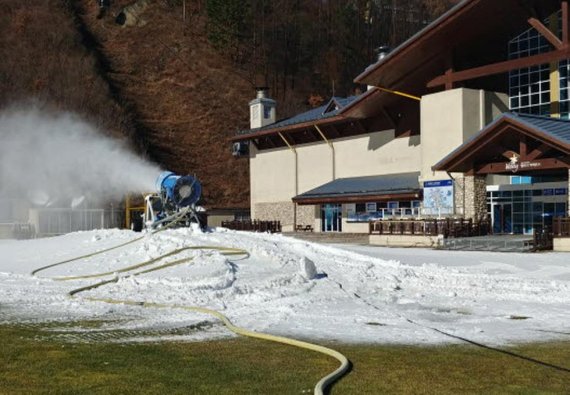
column 450, row 118
column 280, row 174
column 354, row 227
column 272, row 176
column 216, row 220
column 561, row 245
column 377, row 153
column 404, row 241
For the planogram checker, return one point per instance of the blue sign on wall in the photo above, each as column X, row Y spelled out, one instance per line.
column 437, row 184
column 560, row 191
column 438, row 197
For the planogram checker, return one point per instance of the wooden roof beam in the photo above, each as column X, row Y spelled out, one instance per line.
column 546, row 33
column 500, row 67
column 539, row 151
column 565, row 23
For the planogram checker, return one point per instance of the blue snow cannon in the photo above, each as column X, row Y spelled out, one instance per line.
column 180, row 191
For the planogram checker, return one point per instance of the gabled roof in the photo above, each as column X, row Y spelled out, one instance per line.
column 329, row 110
column 554, row 132
column 364, row 189
column 555, row 128
column 475, row 32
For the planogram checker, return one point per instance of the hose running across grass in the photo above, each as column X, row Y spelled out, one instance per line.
column 320, row 387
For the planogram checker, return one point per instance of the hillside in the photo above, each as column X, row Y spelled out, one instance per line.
column 160, row 86
column 187, row 98
column 45, row 63
column 157, row 75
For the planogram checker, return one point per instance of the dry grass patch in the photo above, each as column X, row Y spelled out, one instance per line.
column 34, row 363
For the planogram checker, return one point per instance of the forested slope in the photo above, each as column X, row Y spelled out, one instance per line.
column 173, row 77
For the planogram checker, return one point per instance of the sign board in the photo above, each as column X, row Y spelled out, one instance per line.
column 438, row 197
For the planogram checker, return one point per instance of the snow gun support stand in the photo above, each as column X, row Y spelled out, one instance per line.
column 174, row 204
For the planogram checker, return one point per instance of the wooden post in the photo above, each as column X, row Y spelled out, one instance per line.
column 565, row 23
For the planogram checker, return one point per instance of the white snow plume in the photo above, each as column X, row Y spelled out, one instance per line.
column 60, row 159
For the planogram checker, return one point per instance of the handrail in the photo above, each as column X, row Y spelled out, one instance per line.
column 446, row 227
column 561, row 227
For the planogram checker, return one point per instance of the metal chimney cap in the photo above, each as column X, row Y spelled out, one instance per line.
column 262, row 92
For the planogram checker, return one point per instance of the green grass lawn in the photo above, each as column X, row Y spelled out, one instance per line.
column 31, row 362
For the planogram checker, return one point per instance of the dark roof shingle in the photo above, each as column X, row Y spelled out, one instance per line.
column 336, row 103
column 361, row 186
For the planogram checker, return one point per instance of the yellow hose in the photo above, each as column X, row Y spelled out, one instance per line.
column 175, row 218
column 319, row 387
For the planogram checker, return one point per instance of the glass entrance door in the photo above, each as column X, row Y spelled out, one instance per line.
column 502, row 218
column 331, row 218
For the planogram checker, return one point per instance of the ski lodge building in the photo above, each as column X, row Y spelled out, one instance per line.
column 468, row 118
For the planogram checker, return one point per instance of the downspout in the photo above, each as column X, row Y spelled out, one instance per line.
column 398, row 93
column 482, row 110
column 332, row 151
column 296, row 178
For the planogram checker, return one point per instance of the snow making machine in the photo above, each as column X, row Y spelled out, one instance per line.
column 173, row 204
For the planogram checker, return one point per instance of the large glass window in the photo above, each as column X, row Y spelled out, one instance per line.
column 524, row 211
column 364, row 212
column 529, row 88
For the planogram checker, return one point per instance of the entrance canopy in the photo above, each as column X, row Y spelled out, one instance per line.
column 513, row 143
column 403, row 186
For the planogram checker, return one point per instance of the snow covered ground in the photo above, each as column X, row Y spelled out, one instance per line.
column 360, row 294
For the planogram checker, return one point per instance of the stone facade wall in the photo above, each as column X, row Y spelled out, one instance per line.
column 459, row 195
column 475, row 197
column 306, row 215
column 283, row 211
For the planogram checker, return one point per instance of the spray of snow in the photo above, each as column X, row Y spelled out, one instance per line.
column 59, row 159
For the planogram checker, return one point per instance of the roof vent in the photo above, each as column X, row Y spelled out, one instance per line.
column 382, row 52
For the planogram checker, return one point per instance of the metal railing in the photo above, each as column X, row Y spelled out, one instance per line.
column 406, row 213
column 446, row 227
column 253, row 226
column 561, row 227
column 57, row 221
column 543, row 239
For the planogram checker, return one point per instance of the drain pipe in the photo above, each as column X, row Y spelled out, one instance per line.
column 332, row 151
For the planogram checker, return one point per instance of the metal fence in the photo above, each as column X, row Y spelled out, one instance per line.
column 561, row 227
column 435, row 227
column 57, row 221
column 253, row 226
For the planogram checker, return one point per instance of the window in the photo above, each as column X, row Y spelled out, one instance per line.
column 364, row 212
column 529, row 88
column 515, row 180
column 393, row 205
column 266, row 112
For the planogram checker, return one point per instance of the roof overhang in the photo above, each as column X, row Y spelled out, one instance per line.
column 509, row 144
column 471, row 34
column 403, row 186
column 347, row 199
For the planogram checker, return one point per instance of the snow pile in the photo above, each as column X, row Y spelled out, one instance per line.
column 292, row 287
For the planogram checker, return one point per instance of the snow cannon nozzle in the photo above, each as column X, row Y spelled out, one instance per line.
column 180, row 191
